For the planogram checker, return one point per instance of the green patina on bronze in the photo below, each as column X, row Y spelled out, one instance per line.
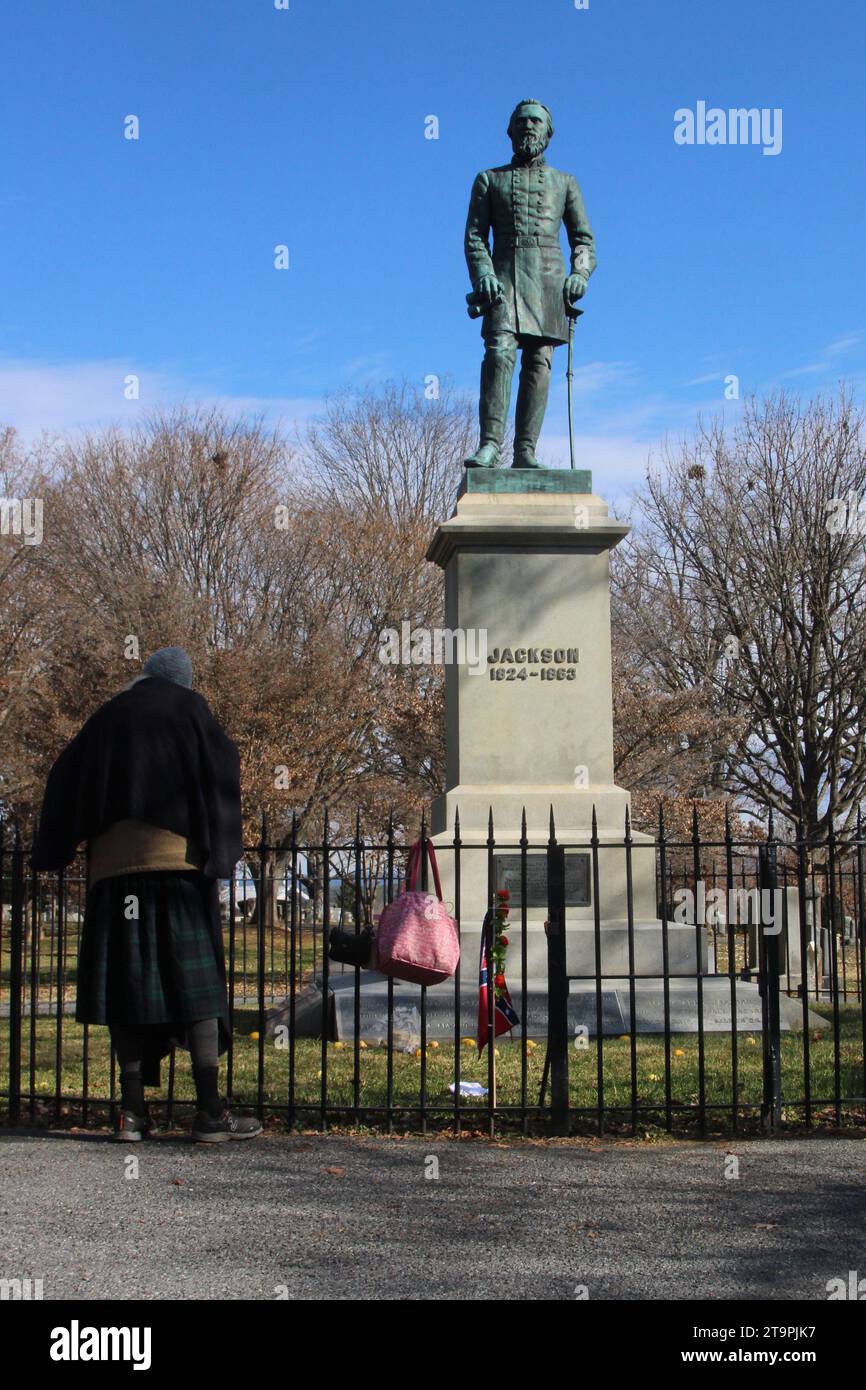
column 577, row 480
column 520, row 286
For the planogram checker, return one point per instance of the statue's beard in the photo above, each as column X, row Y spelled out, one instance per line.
column 528, row 147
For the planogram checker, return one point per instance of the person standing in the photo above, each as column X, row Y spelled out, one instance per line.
column 152, row 784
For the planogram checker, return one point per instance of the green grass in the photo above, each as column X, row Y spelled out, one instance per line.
column 276, row 963
column 406, row 1095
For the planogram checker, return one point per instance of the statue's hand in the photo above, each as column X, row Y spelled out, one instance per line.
column 575, row 288
column 489, row 288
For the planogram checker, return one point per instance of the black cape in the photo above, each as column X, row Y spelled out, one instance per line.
column 153, row 753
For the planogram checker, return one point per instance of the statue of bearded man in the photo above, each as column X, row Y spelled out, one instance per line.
column 521, row 286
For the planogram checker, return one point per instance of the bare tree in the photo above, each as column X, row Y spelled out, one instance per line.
column 203, row 531
column 26, row 602
column 393, row 452
column 745, row 581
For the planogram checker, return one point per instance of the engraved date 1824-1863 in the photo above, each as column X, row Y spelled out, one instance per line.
column 533, row 663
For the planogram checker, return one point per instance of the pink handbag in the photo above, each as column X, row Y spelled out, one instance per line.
column 417, row 940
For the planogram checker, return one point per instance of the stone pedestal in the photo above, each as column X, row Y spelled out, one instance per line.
column 529, row 728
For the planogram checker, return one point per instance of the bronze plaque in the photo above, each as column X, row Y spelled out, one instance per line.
column 507, row 875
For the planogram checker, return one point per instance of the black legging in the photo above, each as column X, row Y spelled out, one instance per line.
column 203, row 1042
column 202, row 1039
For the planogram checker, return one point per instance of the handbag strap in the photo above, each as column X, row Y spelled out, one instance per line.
column 412, row 867
column 414, row 864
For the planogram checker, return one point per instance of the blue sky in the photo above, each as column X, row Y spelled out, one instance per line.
column 306, row 127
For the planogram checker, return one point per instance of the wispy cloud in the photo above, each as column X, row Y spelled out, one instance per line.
column 617, row 463
column 704, row 380
column 45, row 397
column 827, row 359
column 808, row 369
column 846, row 344
column 592, row 377
column 367, row 368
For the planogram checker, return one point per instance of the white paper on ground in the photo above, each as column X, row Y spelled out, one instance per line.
column 470, row 1088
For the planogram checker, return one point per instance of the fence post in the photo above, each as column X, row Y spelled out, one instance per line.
column 294, row 965
column 491, row 977
column 16, row 976
column 557, row 986
column 768, row 980
column 264, row 919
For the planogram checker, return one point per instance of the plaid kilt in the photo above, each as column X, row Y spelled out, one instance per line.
column 164, row 967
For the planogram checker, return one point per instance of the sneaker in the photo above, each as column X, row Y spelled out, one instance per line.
column 131, row 1128
column 210, row 1129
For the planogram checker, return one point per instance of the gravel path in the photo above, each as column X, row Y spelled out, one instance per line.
column 336, row 1217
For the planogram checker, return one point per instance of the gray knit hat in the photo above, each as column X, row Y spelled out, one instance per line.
column 172, row 663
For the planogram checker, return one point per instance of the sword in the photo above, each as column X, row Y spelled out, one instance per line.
column 573, row 315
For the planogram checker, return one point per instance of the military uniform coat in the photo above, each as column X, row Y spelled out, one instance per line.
column 524, row 206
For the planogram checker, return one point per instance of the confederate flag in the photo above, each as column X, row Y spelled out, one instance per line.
column 504, row 1015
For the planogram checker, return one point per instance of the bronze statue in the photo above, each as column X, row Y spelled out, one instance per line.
column 522, row 289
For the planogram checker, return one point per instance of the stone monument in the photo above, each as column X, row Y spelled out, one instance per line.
column 529, row 729
column 525, row 558
column 526, row 564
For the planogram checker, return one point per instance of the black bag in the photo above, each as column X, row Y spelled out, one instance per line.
column 351, row 947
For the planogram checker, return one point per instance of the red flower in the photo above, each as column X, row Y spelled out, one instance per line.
column 503, row 940
column 499, row 981
column 502, row 893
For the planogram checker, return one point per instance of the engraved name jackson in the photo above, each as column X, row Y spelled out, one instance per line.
column 533, row 663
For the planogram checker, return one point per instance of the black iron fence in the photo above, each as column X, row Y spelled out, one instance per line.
column 688, row 984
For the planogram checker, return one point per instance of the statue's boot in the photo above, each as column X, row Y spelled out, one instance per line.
column 486, row 456
column 497, row 370
column 531, row 403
